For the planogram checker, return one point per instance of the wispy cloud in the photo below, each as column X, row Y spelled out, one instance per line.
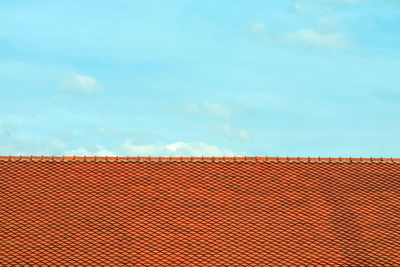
column 80, row 83
column 107, row 133
column 312, row 5
column 341, row 1
column 15, row 146
column 304, row 37
column 210, row 109
column 300, row 6
column 7, row 129
column 235, row 134
column 311, row 38
column 244, row 135
column 227, row 131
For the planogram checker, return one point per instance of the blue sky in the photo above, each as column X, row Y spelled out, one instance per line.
column 181, row 78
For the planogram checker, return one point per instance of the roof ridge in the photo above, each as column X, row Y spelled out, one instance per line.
column 196, row 159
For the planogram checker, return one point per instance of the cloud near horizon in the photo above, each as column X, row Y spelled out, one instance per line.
column 60, row 148
column 13, row 145
column 176, row 149
column 196, row 149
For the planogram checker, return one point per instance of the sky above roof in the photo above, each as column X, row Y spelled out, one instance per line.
column 182, row 78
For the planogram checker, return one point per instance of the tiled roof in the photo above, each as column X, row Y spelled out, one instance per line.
column 199, row 211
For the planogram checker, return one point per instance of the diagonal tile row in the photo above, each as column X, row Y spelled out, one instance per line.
column 199, row 213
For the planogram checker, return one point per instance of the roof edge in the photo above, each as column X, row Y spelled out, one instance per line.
column 197, row 159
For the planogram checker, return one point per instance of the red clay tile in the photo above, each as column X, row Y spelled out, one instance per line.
column 199, row 211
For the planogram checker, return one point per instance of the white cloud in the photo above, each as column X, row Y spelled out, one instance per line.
column 142, row 150
column 210, row 109
column 11, row 145
column 174, row 149
column 80, row 83
column 100, row 151
column 175, row 146
column 304, row 37
column 16, row 147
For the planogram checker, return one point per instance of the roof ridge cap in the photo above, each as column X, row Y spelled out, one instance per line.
column 205, row 159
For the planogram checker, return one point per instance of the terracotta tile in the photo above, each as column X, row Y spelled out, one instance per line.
column 247, row 211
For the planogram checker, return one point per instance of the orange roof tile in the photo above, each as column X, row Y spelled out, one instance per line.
column 199, row 211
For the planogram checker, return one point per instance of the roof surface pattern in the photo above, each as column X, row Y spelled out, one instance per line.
column 199, row 211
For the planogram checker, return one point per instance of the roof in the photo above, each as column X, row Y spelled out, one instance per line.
column 199, row 211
